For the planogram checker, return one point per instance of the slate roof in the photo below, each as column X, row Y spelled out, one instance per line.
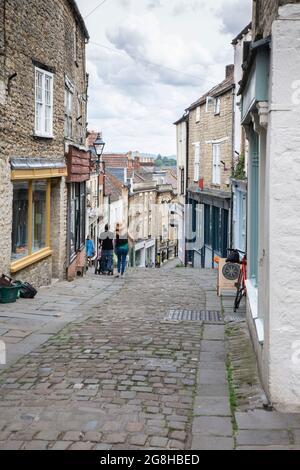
column 113, row 187
column 218, row 90
column 118, row 173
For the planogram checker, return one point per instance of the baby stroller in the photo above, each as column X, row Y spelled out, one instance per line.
column 102, row 265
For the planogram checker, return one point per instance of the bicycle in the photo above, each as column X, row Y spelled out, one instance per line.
column 235, row 268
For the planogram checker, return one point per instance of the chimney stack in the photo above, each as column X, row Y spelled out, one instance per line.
column 229, row 70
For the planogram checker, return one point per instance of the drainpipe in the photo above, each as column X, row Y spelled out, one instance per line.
column 187, row 184
column 232, row 165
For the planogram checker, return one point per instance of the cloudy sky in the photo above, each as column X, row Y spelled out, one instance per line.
column 149, row 59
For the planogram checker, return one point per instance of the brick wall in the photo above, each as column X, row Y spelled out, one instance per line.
column 264, row 13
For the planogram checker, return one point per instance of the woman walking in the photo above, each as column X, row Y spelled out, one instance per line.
column 122, row 250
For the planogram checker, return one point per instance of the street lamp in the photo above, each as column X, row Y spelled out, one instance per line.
column 99, row 146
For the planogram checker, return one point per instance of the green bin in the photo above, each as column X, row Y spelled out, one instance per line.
column 9, row 295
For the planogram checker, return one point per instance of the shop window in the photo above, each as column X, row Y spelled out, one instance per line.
column 20, row 220
column 39, row 222
column 31, row 218
column 77, row 217
column 207, row 225
column 216, row 229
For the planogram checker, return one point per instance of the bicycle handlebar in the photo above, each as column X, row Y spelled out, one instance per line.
column 235, row 249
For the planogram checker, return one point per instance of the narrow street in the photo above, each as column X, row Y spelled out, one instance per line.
column 122, row 374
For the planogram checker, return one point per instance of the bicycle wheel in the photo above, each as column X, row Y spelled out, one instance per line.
column 239, row 295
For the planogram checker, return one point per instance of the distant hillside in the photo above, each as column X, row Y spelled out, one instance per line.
column 166, row 161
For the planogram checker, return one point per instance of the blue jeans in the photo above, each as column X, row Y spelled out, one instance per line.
column 108, row 256
column 122, row 258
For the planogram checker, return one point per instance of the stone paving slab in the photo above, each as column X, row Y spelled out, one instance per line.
column 213, row 391
column 214, row 332
column 262, row 438
column 202, row 442
column 268, row 448
column 212, row 377
column 213, row 425
column 259, row 419
column 212, row 406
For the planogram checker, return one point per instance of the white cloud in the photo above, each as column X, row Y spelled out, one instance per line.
column 235, row 14
column 158, row 57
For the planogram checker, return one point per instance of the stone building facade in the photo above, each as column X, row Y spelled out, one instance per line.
column 210, row 163
column 182, row 170
column 270, row 92
column 141, row 222
column 42, row 51
column 264, row 13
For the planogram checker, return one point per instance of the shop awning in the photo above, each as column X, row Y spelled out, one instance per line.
column 36, row 168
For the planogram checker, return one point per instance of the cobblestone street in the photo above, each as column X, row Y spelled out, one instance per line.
column 120, row 375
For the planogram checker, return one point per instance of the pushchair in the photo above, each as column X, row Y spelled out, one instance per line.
column 102, row 265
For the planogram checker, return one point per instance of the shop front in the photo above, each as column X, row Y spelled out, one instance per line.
column 79, row 164
column 37, row 189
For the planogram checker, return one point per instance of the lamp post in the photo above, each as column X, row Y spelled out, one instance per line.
column 99, row 146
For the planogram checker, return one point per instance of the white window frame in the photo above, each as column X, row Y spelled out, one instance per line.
column 40, row 128
column 79, row 119
column 217, row 106
column 208, row 100
column 216, row 177
column 198, row 114
column 68, row 113
column 197, row 154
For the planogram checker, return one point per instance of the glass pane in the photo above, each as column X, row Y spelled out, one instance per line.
column 39, row 87
column 48, row 119
column 20, row 220
column 38, row 117
column 39, row 215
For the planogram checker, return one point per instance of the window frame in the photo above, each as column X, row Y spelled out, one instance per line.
column 182, row 181
column 197, row 161
column 216, row 173
column 42, row 132
column 69, row 95
column 198, row 114
column 34, row 256
column 217, row 106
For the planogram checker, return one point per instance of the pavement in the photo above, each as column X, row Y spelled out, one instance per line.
column 100, row 364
